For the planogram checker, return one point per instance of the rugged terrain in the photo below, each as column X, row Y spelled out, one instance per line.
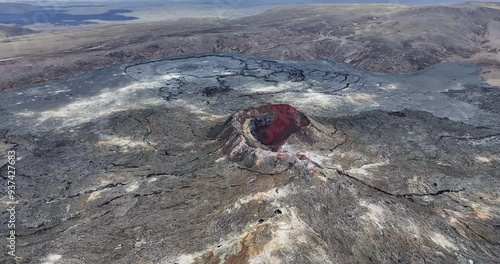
column 131, row 164
column 128, row 154
column 376, row 38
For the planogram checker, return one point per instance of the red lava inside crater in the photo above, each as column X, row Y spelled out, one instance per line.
column 275, row 123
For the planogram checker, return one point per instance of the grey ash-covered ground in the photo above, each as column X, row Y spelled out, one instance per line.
column 127, row 165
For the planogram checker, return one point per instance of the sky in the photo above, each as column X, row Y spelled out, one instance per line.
column 243, row 2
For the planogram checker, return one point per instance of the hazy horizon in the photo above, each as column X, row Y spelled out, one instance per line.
column 241, row 3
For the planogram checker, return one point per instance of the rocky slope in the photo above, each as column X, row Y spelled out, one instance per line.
column 9, row 31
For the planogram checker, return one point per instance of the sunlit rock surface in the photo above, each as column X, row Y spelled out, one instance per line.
column 132, row 164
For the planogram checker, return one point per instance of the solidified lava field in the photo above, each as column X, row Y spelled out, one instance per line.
column 223, row 158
